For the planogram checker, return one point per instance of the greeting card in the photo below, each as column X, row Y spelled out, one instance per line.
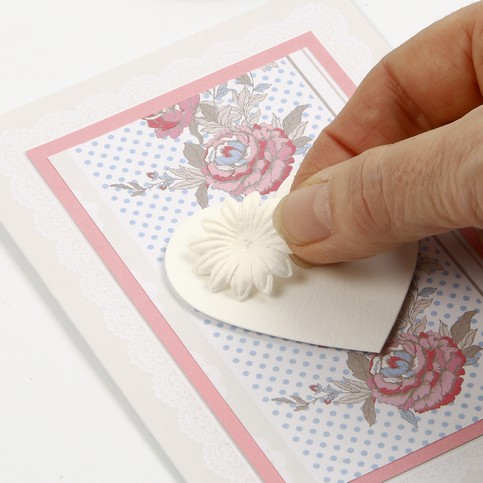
column 102, row 185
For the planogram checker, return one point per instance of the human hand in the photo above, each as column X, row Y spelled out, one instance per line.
column 404, row 158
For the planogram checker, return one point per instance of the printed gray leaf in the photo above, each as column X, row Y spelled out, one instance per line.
column 236, row 108
column 121, row 186
column 357, row 385
column 369, row 411
column 351, row 385
column 202, row 195
column 353, row 398
column 443, row 329
column 209, row 112
column 342, row 385
column 404, row 314
column 254, row 100
column 292, row 120
column 471, row 351
column 467, row 340
column 194, row 153
column 420, row 326
column 243, row 98
column 186, row 184
column 301, row 141
column 136, row 185
column 283, row 400
column 428, row 265
column 193, row 127
column 234, row 117
column 359, row 364
column 212, row 127
column 298, row 130
column 420, row 306
column 188, row 173
column 276, row 122
column 227, row 116
column 234, row 96
column 244, row 79
column 462, row 326
column 255, row 117
column 298, row 399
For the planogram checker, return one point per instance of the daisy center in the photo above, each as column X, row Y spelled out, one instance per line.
column 246, row 241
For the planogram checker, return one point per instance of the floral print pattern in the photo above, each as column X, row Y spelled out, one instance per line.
column 419, row 370
column 172, row 121
column 230, row 149
column 248, row 159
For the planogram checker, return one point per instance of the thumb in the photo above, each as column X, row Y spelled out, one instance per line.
column 388, row 195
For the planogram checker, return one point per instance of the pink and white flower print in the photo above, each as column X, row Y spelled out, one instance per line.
column 418, row 370
column 174, row 119
column 247, row 159
column 229, row 148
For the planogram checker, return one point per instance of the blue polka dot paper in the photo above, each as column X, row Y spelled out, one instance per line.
column 337, row 415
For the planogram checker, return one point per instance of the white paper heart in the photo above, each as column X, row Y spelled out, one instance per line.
column 350, row 305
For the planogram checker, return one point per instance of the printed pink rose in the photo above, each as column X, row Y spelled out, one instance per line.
column 247, row 159
column 417, row 372
column 172, row 120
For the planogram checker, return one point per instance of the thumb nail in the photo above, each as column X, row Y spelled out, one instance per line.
column 303, row 216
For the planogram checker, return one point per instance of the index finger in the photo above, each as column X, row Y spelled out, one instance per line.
column 433, row 79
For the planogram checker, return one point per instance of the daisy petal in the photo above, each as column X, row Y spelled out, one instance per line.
column 207, row 244
column 216, row 227
column 249, row 209
column 279, row 266
column 262, row 278
column 207, row 262
column 241, row 282
column 222, row 274
column 230, row 210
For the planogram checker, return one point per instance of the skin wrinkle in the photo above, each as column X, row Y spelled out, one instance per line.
column 469, row 205
column 406, row 103
column 476, row 35
column 452, row 202
column 462, row 182
column 316, row 148
column 371, row 206
column 401, row 182
column 475, row 203
column 434, row 172
column 457, row 95
column 391, row 203
column 337, row 140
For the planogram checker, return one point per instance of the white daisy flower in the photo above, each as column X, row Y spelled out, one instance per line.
column 241, row 248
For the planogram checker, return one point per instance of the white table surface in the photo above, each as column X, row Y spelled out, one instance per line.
column 61, row 417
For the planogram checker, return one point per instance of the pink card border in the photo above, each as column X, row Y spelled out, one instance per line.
column 242, row 438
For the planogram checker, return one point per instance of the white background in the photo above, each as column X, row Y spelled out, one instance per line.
column 61, row 417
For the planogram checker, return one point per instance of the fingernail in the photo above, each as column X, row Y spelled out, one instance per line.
column 303, row 216
column 300, row 262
